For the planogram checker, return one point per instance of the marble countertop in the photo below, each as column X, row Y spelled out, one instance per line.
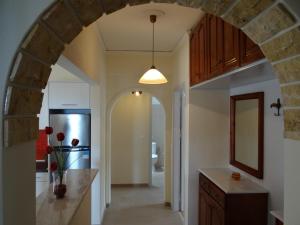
column 50, row 211
column 222, row 178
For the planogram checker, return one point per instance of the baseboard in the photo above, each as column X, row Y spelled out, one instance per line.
column 129, row 185
column 168, row 204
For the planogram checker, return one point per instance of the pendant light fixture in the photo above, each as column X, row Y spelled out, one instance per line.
column 153, row 75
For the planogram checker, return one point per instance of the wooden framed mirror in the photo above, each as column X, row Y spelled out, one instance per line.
column 247, row 133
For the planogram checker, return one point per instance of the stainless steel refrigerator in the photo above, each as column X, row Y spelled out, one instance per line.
column 74, row 124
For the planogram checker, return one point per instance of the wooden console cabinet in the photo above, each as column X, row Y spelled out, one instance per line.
column 245, row 204
column 278, row 222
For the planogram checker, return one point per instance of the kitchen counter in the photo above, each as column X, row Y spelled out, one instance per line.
column 222, row 178
column 50, row 211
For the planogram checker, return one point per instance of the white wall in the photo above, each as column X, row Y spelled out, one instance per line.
column 123, row 72
column 86, row 50
column 87, row 53
column 208, row 139
column 273, row 179
column 292, row 182
column 131, row 140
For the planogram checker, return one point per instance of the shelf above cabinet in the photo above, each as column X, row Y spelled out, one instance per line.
column 258, row 71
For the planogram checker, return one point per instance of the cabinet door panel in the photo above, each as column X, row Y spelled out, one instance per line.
column 203, row 209
column 65, row 95
column 210, row 213
column 215, row 46
column 193, row 75
column 250, row 52
column 202, row 51
column 198, row 68
column 231, row 47
column 217, row 215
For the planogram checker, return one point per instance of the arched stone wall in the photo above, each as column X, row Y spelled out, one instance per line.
column 269, row 23
column 272, row 24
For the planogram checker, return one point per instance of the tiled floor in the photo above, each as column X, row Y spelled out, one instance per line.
column 140, row 206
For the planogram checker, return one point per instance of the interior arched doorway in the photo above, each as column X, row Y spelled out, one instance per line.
column 271, row 24
column 139, row 117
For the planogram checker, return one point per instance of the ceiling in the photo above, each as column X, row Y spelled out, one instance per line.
column 130, row 29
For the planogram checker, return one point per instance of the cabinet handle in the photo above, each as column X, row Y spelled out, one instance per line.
column 69, row 104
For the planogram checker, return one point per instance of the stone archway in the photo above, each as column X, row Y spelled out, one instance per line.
column 272, row 24
column 269, row 24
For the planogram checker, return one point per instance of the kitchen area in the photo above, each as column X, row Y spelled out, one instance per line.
column 70, row 106
column 66, row 108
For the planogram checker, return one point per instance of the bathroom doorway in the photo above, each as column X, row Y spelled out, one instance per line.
column 158, row 144
column 137, row 152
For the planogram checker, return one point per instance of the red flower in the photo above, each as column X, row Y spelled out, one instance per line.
column 75, row 142
column 53, row 166
column 49, row 149
column 49, row 130
column 60, row 136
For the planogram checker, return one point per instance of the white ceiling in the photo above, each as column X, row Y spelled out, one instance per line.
column 130, row 28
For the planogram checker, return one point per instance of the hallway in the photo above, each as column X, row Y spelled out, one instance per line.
column 140, row 206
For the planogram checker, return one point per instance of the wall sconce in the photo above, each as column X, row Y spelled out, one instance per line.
column 276, row 105
column 137, row 93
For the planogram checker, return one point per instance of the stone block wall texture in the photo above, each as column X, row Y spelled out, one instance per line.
column 269, row 23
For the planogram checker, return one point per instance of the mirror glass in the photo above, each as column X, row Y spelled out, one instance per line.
column 246, row 136
column 246, row 132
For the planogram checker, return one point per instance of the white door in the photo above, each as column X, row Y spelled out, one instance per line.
column 178, row 154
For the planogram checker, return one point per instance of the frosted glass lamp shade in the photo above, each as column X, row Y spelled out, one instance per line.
column 153, row 76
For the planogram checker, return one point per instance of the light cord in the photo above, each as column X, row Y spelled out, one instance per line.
column 153, row 44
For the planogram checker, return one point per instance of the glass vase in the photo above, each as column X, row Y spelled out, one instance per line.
column 59, row 182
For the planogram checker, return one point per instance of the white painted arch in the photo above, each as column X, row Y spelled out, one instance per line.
column 111, row 105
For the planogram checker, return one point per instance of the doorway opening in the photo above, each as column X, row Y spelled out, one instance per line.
column 158, row 144
column 137, row 161
column 137, row 143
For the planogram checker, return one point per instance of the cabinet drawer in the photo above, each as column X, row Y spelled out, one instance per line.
column 212, row 190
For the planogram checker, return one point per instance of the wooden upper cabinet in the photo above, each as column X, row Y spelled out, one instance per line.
column 215, row 45
column 250, row 52
column 231, row 47
column 198, row 52
column 194, row 79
